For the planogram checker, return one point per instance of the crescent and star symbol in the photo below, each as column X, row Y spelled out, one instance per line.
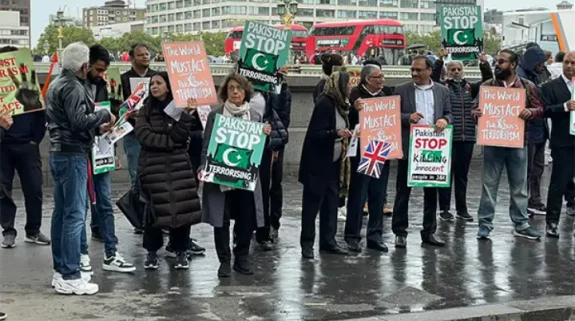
column 255, row 61
column 226, row 157
column 456, row 38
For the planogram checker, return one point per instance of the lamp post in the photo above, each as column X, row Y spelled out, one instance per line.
column 287, row 10
column 60, row 17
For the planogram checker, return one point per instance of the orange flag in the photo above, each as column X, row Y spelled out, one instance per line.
column 54, row 70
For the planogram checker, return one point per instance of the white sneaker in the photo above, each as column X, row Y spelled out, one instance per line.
column 341, row 215
column 117, row 263
column 85, row 265
column 77, row 287
column 87, row 277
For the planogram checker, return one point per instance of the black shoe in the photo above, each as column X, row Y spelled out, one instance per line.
column 225, row 270
column 465, row 216
column 446, row 216
column 378, row 246
column 335, row 249
column 182, row 262
column 307, row 252
column 97, row 236
column 195, row 249
column 3, row 316
column 138, row 231
column 401, row 241
column 432, row 240
column 552, row 230
column 266, row 246
column 151, row 262
column 242, row 265
column 274, row 234
column 353, row 246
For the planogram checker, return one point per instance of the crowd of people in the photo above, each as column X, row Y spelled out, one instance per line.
column 165, row 158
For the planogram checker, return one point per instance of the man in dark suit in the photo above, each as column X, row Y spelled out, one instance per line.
column 556, row 95
column 416, row 101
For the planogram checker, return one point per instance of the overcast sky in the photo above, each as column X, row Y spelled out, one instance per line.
column 41, row 9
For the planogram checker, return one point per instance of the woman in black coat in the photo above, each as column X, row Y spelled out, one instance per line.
column 165, row 172
column 324, row 169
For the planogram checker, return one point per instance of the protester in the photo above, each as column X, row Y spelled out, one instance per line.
column 556, row 68
column 328, row 61
column 139, row 56
column 266, row 103
column 416, row 100
column 21, row 153
column 72, row 125
column 363, row 187
column 283, row 109
column 221, row 204
column 5, row 124
column 556, row 96
column 513, row 159
column 324, row 170
column 103, row 210
column 165, row 172
column 461, row 96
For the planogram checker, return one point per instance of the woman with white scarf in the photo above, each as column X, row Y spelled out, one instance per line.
column 220, row 204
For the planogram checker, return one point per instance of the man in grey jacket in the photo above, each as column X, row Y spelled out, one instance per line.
column 417, row 98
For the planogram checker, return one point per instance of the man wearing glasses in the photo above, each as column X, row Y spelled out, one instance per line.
column 461, row 95
column 427, row 103
column 513, row 159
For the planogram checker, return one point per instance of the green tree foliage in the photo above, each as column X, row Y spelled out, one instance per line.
column 70, row 35
column 491, row 44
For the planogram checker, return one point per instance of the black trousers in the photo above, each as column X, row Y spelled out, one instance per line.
column 240, row 206
column 461, row 155
column 179, row 239
column 561, row 176
column 570, row 194
column 400, row 219
column 362, row 188
column 276, row 191
column 25, row 159
column 263, row 233
column 325, row 201
column 535, row 169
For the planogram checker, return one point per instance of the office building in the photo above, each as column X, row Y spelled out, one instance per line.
column 65, row 21
column 117, row 30
column 192, row 16
column 11, row 32
column 112, row 12
column 23, row 7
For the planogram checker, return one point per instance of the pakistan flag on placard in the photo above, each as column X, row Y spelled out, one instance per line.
column 233, row 157
column 260, row 61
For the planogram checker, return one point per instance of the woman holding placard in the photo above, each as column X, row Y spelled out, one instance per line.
column 165, row 173
column 222, row 203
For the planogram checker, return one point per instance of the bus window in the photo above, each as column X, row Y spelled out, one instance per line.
column 235, row 35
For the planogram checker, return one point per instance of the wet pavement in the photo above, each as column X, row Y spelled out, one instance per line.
column 465, row 273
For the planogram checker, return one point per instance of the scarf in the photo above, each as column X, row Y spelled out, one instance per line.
column 342, row 107
column 232, row 110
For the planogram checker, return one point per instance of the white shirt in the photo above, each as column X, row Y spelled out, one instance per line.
column 425, row 103
column 569, row 84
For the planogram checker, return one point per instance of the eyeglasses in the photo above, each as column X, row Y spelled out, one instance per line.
column 455, row 69
column 417, row 70
column 501, row 61
column 377, row 77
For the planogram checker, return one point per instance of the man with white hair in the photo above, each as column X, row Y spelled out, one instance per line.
column 72, row 126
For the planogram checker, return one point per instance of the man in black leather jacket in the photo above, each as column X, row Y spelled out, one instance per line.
column 72, row 126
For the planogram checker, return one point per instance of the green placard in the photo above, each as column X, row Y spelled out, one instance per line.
column 462, row 31
column 19, row 63
column 103, row 161
column 263, row 52
column 234, row 153
column 429, row 163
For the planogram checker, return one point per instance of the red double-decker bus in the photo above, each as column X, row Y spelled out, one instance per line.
column 363, row 37
column 298, row 40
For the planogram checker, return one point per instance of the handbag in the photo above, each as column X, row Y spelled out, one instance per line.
column 137, row 207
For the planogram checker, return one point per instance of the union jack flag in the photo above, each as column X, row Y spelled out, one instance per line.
column 373, row 158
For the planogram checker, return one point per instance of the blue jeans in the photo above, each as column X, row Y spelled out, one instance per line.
column 515, row 161
column 132, row 150
column 70, row 173
column 103, row 214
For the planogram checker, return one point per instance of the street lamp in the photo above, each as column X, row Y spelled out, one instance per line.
column 287, row 11
column 60, row 17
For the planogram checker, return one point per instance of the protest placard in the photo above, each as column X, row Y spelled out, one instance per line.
column 234, row 153
column 22, row 95
column 353, row 71
column 190, row 74
column 103, row 161
column 380, row 119
column 429, row 162
column 264, row 50
column 462, row 31
column 500, row 124
column 204, row 112
column 572, row 113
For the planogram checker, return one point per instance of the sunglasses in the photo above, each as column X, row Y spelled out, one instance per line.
column 455, row 69
column 501, row 61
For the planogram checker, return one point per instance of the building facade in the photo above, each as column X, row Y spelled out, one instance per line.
column 11, row 32
column 23, row 7
column 65, row 21
column 112, row 12
column 192, row 16
column 117, row 30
